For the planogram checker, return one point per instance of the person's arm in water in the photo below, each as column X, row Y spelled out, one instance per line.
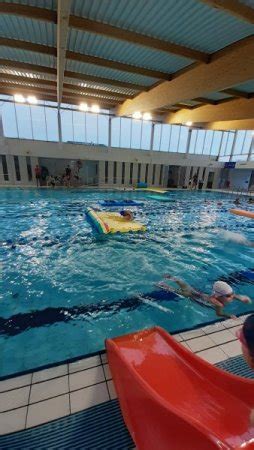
column 221, row 313
column 242, row 298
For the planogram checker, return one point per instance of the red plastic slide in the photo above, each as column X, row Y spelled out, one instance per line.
column 172, row 399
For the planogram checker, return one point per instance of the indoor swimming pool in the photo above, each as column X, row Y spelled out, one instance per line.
column 64, row 288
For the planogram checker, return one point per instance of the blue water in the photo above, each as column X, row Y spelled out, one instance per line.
column 64, row 288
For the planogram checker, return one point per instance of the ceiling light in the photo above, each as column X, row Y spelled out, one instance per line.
column 95, row 108
column 32, row 99
column 137, row 115
column 19, row 98
column 189, row 123
column 83, row 106
column 83, row 85
column 147, row 116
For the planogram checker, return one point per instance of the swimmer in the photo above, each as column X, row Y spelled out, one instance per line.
column 222, row 295
column 251, row 200
column 127, row 214
column 237, row 201
column 238, row 238
column 219, row 203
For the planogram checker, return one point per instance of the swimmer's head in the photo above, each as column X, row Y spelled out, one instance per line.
column 222, row 289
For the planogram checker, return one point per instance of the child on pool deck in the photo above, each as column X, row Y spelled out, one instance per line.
column 221, row 296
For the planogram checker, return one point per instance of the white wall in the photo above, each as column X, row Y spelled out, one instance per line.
column 37, row 149
column 239, row 178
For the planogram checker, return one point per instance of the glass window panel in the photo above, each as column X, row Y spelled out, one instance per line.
column 91, row 128
column 146, row 135
column 103, row 123
column 79, row 126
column 52, row 124
column 247, row 143
column 200, row 142
column 175, row 131
column 165, row 136
column 125, row 132
column 38, row 123
column 224, row 158
column 240, row 136
column 115, row 132
column 157, row 136
column 194, row 134
column 182, row 146
column 207, row 142
column 216, row 143
column 24, row 121
column 136, row 133
column 9, row 120
column 229, row 143
column 224, row 143
column 67, row 128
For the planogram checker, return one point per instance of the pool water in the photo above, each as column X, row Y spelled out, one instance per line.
column 64, row 288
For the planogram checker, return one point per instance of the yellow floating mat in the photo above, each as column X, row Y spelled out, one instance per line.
column 112, row 222
column 157, row 190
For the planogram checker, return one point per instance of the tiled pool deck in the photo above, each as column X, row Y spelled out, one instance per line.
column 39, row 397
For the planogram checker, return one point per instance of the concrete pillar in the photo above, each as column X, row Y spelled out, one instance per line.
column 23, row 170
column 150, row 175
column 2, row 180
column 187, row 175
column 135, row 174
column 127, row 174
column 11, row 169
column 101, row 173
column 119, row 174
column 110, row 173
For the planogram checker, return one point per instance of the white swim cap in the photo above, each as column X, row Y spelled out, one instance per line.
column 220, row 288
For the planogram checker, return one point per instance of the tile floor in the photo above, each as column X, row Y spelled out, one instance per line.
column 49, row 394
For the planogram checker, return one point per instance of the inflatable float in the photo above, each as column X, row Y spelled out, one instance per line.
column 112, row 222
column 120, row 203
column 242, row 212
column 160, row 198
column 172, row 399
column 157, row 190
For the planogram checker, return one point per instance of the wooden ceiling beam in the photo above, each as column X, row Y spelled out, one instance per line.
column 88, row 59
column 233, row 67
column 17, row 65
column 205, row 101
column 83, row 77
column 102, row 62
column 63, row 13
column 9, row 78
column 31, row 12
column 234, row 8
column 237, row 109
column 110, row 31
column 236, row 93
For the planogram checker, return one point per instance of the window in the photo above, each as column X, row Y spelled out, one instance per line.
column 5, row 168
column 92, row 128
column 38, row 123
column 194, row 135
column 67, row 126
column 115, row 173
column 139, row 172
column 157, row 136
column 17, row 169
column 125, row 137
column 79, row 126
column 136, row 134
column 103, row 126
column 106, row 171
column 29, row 168
column 9, row 120
column 115, row 132
column 208, row 142
column 146, row 135
column 51, row 124
column 182, row 144
column 161, row 172
column 154, row 169
column 24, row 121
column 216, row 143
column 131, row 172
column 200, row 142
column 174, row 140
column 123, row 172
column 165, row 137
column 146, row 173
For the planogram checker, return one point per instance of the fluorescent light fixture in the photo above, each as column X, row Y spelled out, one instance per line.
column 147, row 116
column 95, row 108
column 32, row 99
column 19, row 98
column 83, row 106
column 189, row 123
column 137, row 115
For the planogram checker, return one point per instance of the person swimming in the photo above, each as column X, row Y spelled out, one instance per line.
column 127, row 214
column 237, row 201
column 222, row 294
